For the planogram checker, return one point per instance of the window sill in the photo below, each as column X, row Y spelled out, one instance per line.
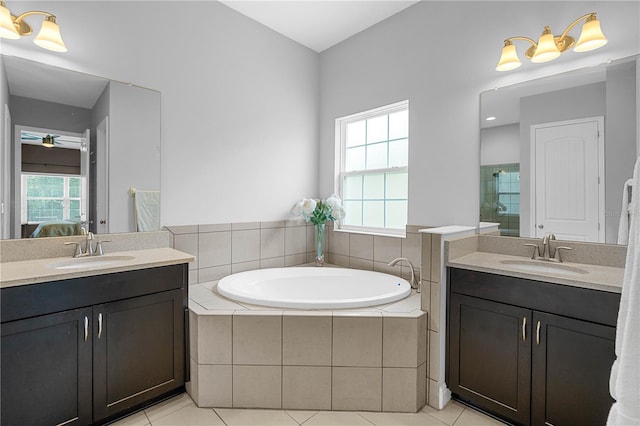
column 398, row 234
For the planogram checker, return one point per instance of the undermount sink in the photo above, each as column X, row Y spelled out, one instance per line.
column 543, row 267
column 90, row 262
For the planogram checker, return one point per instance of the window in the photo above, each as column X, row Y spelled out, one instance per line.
column 373, row 169
column 50, row 197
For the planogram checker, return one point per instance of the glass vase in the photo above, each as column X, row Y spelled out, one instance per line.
column 319, row 238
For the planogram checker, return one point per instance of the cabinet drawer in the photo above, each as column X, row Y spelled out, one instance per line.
column 575, row 302
column 44, row 298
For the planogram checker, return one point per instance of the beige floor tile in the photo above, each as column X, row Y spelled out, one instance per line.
column 240, row 417
column 167, row 407
column 470, row 417
column 401, row 419
column 135, row 419
column 190, row 416
column 301, row 416
column 337, row 418
column 449, row 414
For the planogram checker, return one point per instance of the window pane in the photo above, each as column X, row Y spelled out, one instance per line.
column 354, row 159
column 373, row 213
column 399, row 153
column 397, row 185
column 355, row 133
column 74, row 187
column 396, row 214
column 377, row 129
column 399, row 125
column 353, row 210
column 45, row 186
column 374, row 187
column 377, row 156
column 43, row 210
column 74, row 210
column 353, row 188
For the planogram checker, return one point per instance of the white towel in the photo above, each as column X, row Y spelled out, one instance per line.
column 625, row 373
column 146, row 210
column 623, row 227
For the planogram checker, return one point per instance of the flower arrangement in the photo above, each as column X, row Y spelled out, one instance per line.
column 320, row 211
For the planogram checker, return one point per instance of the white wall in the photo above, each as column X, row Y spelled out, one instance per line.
column 5, row 156
column 440, row 56
column 243, row 135
column 239, row 101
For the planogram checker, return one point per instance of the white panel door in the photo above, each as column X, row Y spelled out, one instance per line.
column 568, row 200
column 85, row 168
column 102, row 177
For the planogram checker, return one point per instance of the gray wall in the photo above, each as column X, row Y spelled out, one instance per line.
column 561, row 105
column 620, row 140
column 99, row 112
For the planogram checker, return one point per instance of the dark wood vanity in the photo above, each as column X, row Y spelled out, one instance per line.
column 87, row 350
column 530, row 352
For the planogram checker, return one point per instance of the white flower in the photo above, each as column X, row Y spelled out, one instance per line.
column 308, row 206
column 334, row 202
column 297, row 209
column 338, row 213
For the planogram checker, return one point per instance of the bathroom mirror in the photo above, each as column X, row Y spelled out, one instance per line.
column 555, row 153
column 112, row 127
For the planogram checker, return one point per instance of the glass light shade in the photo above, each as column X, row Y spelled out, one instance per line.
column 547, row 49
column 7, row 29
column 509, row 59
column 49, row 36
column 591, row 36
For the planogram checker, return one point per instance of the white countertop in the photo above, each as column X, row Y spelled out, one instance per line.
column 43, row 270
column 604, row 278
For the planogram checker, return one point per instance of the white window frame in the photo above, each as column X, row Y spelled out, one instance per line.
column 340, row 156
column 66, row 198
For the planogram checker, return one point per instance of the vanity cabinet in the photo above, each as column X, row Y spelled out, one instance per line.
column 123, row 347
column 530, row 352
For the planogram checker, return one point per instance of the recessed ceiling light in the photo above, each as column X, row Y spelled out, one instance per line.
column 490, row 118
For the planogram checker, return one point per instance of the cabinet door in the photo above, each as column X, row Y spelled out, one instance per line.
column 138, row 351
column 46, row 370
column 490, row 356
column 571, row 366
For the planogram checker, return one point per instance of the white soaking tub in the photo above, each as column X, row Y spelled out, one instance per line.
column 314, row 288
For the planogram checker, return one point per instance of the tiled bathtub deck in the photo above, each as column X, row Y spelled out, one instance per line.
column 366, row 359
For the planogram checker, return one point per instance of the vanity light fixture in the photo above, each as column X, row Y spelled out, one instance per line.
column 13, row 27
column 550, row 47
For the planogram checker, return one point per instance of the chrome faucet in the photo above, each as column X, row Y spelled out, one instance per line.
column 413, row 282
column 89, row 249
column 549, row 253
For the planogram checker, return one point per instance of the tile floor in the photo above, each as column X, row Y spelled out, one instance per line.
column 181, row 411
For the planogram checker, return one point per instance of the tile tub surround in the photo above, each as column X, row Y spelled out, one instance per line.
column 245, row 356
column 223, row 249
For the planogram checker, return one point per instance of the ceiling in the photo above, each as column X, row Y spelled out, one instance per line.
column 36, row 80
column 319, row 24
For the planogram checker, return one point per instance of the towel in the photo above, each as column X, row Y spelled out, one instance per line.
column 623, row 227
column 146, row 210
column 625, row 373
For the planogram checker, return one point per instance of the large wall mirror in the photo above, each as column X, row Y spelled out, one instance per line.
column 556, row 153
column 73, row 145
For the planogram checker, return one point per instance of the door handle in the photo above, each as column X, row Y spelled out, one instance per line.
column 99, row 325
column 524, row 329
column 540, row 226
column 86, row 328
column 538, row 333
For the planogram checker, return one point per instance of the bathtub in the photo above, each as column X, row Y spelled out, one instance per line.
column 313, row 288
